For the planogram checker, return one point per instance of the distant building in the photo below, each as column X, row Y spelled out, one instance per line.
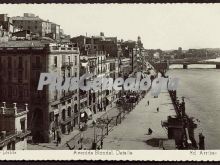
column 21, row 35
column 125, row 66
column 13, row 127
column 33, row 23
column 97, row 43
column 55, row 29
column 21, row 64
column 130, row 50
column 6, row 23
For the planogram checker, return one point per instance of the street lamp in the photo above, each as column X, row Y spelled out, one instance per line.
column 94, row 145
column 81, row 140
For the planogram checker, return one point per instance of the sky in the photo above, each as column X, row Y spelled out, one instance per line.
column 161, row 26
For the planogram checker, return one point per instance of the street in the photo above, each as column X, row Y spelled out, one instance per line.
column 132, row 132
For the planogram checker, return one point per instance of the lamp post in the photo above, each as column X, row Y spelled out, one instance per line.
column 81, row 140
column 94, row 145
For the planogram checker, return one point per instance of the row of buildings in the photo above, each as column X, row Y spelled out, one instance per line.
column 22, row 61
column 30, row 27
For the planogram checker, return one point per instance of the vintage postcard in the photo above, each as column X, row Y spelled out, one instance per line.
column 110, row 82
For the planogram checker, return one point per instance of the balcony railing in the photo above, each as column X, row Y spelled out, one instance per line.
column 67, row 95
column 67, row 65
column 55, row 49
column 10, row 135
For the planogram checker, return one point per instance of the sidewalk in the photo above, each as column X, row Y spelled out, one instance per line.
column 132, row 133
column 111, row 110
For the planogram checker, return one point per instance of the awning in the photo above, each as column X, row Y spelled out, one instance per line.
column 84, row 64
column 108, row 99
column 88, row 112
column 56, row 111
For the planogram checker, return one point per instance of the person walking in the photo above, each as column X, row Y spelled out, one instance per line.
column 157, row 109
column 58, row 138
column 101, row 143
column 150, row 131
column 68, row 129
column 148, row 102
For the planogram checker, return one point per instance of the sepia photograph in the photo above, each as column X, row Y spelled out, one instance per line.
column 110, row 77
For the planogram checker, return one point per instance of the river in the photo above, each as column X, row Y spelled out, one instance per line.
column 201, row 89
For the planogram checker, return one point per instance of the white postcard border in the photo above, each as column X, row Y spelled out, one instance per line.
column 129, row 155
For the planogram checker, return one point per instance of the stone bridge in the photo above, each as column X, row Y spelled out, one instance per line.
column 163, row 66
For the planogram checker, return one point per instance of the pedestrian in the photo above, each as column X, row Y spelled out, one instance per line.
column 157, row 109
column 101, row 143
column 58, row 138
column 148, row 102
column 150, row 131
column 201, row 141
column 68, row 129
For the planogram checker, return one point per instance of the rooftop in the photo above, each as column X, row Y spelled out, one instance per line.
column 23, row 44
column 27, row 18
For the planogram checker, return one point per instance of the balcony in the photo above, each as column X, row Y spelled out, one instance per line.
column 67, row 65
column 13, row 135
column 67, row 95
column 64, row 49
column 83, row 98
column 67, row 120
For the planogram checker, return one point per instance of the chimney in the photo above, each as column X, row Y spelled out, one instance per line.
column 102, row 34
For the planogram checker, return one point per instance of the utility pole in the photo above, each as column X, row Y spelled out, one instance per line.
column 94, row 144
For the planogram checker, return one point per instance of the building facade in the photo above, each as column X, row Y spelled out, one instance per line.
column 33, row 23
column 13, row 127
column 22, row 62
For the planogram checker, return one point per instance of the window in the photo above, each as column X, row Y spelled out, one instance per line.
column 20, row 92
column 75, row 60
column 64, row 114
column 22, row 122
column 68, row 72
column 11, row 146
column 55, row 94
column 51, row 116
column 69, row 111
column 9, row 76
column 20, row 76
column 9, row 62
column 20, row 62
column 55, row 61
column 69, row 59
column 14, row 91
column 63, row 73
column 9, row 92
column 26, row 69
column 37, row 61
column 26, row 93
